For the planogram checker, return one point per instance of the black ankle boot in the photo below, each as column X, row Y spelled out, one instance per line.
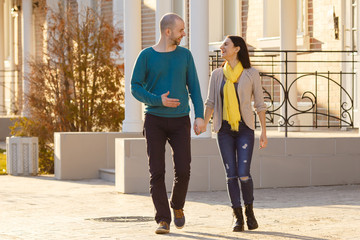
column 239, row 224
column 250, row 217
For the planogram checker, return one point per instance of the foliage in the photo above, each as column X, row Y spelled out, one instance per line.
column 25, row 127
column 78, row 85
column 2, row 162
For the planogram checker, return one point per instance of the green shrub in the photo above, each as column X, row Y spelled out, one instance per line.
column 2, row 162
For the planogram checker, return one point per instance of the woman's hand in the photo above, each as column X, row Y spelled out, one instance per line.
column 263, row 140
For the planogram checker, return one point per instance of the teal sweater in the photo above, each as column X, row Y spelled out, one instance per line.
column 155, row 73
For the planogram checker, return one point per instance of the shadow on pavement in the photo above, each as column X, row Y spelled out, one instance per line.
column 290, row 197
column 200, row 235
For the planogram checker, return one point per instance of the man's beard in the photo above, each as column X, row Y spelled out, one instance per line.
column 176, row 42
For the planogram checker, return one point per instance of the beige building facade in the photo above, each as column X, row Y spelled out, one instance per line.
column 305, row 50
column 271, row 25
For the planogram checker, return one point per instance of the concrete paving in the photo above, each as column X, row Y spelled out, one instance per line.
column 42, row 207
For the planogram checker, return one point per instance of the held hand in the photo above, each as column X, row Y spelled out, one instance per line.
column 169, row 102
column 263, row 140
column 199, row 126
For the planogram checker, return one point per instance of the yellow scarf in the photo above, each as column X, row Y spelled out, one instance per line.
column 231, row 111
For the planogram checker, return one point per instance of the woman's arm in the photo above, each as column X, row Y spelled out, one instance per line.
column 208, row 113
column 263, row 138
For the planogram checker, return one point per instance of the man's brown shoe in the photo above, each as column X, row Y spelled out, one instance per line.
column 179, row 218
column 163, row 228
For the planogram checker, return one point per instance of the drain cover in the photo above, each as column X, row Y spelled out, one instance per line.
column 123, row 219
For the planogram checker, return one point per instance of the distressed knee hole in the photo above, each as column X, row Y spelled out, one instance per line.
column 244, row 179
column 235, row 177
column 245, row 146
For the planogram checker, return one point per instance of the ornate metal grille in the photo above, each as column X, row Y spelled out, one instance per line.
column 323, row 82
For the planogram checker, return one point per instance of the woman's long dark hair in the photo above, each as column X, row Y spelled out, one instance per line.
column 243, row 54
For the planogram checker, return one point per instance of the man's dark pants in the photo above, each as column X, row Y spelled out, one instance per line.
column 176, row 131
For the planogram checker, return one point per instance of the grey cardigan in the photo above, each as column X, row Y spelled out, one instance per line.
column 249, row 85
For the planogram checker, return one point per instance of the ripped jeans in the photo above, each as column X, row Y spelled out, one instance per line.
column 236, row 149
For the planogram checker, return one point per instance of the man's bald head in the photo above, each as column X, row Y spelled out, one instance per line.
column 168, row 21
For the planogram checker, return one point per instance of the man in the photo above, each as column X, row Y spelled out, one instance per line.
column 163, row 78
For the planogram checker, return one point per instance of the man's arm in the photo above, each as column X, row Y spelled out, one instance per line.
column 138, row 82
column 194, row 88
column 195, row 95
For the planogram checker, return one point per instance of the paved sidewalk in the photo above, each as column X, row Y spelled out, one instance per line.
column 44, row 208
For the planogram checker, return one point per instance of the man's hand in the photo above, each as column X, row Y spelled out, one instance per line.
column 199, row 126
column 169, row 102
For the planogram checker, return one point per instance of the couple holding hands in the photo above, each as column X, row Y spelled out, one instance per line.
column 163, row 78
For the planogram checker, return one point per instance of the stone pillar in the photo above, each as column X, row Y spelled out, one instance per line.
column 118, row 9
column 118, row 23
column 162, row 7
column 132, row 46
column 84, row 4
column 53, row 6
column 199, row 46
column 357, row 69
column 288, row 33
column 2, row 59
column 232, row 21
column 27, row 43
column 9, row 62
column 179, row 7
column 22, row 155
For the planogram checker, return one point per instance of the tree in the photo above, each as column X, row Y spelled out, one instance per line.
column 78, row 85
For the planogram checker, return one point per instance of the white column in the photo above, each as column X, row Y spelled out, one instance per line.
column 83, row 5
column 27, row 43
column 199, row 45
column 2, row 58
column 231, row 19
column 132, row 46
column 53, row 7
column 178, row 7
column 357, row 69
column 53, row 4
column 357, row 24
column 162, row 7
column 288, row 33
column 118, row 9
column 10, row 61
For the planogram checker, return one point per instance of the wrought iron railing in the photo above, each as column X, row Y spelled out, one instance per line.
column 323, row 82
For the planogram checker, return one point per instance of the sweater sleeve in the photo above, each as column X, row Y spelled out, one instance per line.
column 210, row 100
column 194, row 88
column 259, row 104
column 138, row 83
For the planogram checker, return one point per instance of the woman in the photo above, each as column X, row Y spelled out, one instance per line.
column 229, row 101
